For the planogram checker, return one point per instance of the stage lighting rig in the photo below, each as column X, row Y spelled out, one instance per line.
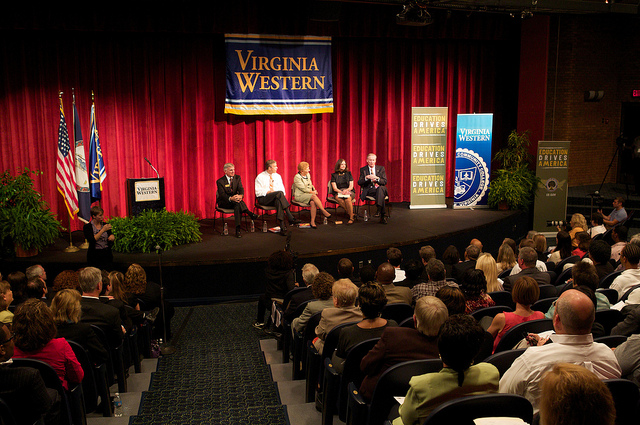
column 414, row 13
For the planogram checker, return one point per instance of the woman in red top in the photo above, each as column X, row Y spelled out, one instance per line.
column 524, row 293
column 35, row 333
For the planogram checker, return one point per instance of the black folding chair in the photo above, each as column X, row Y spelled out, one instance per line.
column 115, row 362
column 504, row 359
column 606, row 281
column 547, row 291
column 490, row 311
column 611, row 294
column 625, row 397
column 543, row 304
column 94, row 384
column 611, row 341
column 504, row 273
column 464, row 410
column 300, row 344
column 516, row 333
column 608, row 319
column 503, row 298
column 397, row 312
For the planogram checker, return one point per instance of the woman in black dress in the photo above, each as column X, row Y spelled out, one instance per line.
column 100, row 239
column 342, row 188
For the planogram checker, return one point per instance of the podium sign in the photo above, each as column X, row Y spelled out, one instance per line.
column 145, row 194
column 552, row 167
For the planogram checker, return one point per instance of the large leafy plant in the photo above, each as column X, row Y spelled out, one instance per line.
column 154, row 228
column 25, row 218
column 514, row 183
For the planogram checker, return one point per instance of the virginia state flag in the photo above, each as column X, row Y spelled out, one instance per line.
column 97, row 172
column 82, row 178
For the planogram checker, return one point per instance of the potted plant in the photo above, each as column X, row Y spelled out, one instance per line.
column 25, row 218
column 514, row 184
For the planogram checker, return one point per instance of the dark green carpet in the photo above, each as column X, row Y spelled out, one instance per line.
column 217, row 375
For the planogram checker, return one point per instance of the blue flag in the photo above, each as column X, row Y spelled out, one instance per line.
column 97, row 172
column 82, row 179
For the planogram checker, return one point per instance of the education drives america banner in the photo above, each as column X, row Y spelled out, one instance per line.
column 278, row 74
column 473, row 160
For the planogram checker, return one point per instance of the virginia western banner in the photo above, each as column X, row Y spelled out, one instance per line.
column 552, row 166
column 473, row 160
column 428, row 157
column 278, row 74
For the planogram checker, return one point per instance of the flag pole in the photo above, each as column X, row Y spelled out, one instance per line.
column 85, row 244
column 71, row 247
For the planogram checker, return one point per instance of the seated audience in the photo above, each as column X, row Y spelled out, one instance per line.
column 631, row 323
column 66, row 311
column 578, row 224
column 136, row 286
column 23, row 388
column 427, row 253
column 597, row 224
column 367, row 273
column 94, row 311
column 563, row 247
column 618, row 215
column 527, row 259
column 394, row 257
column 584, row 240
column 453, row 298
column 344, row 311
column 619, row 236
column 572, row 343
column 629, row 258
column 487, row 264
column 477, row 243
column 346, row 269
column 525, row 292
column 106, row 296
column 309, row 272
column 512, row 245
column 628, row 355
column 506, row 258
column 18, row 282
column 6, row 297
column 528, row 243
column 399, row 345
column 36, row 272
column 116, row 293
column 471, row 255
column 571, row 394
column 436, row 280
column 395, row 294
column 540, row 245
column 322, row 292
column 599, row 254
column 280, row 279
column 459, row 341
column 66, row 279
column 35, row 338
column 371, row 300
column 37, row 289
column 414, row 270
column 450, row 257
column 474, row 287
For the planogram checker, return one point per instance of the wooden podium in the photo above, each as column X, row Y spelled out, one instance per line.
column 145, row 194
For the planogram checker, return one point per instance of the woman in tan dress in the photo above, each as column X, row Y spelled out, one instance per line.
column 305, row 193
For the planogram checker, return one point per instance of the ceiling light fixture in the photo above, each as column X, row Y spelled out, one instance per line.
column 414, row 13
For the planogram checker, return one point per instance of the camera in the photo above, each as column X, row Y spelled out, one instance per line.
column 554, row 223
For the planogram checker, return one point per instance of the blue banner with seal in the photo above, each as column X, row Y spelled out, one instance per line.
column 278, row 74
column 473, row 160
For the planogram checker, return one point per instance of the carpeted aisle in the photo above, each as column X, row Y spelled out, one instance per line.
column 217, row 375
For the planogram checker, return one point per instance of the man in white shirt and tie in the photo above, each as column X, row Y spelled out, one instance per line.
column 270, row 191
column 373, row 180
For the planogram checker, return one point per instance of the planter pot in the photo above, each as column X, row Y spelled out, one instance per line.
column 503, row 206
column 20, row 252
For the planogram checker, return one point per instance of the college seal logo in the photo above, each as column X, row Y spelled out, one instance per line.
column 472, row 178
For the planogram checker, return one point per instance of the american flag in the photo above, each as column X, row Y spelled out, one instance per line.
column 65, row 173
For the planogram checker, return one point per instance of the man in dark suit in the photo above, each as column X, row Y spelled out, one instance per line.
column 230, row 194
column 373, row 181
column 94, row 311
column 22, row 387
column 471, row 255
column 527, row 261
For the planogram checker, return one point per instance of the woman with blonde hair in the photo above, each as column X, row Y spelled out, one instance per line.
column 540, row 245
column 487, row 264
column 66, row 311
column 578, row 224
column 305, row 193
column 506, row 258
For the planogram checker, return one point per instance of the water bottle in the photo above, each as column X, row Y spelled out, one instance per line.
column 253, row 226
column 225, row 230
column 366, row 215
column 324, row 221
column 264, row 227
column 117, row 406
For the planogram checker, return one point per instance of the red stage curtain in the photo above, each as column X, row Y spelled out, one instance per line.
column 161, row 96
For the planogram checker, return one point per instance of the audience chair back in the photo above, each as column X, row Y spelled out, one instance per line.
column 89, row 387
column 608, row 319
column 543, row 304
column 300, row 344
column 464, row 410
column 114, row 359
column 550, row 265
column 504, row 359
column 625, row 296
column 625, row 398
column 287, row 339
column 563, row 277
column 397, row 312
column 515, row 334
column 503, row 298
column 611, row 294
column 407, row 323
column 6, row 415
column 504, row 273
column 606, row 281
column 611, row 341
column 490, row 311
column 548, row 291
column 570, row 259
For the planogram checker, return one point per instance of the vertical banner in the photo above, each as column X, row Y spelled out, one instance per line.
column 473, row 160
column 428, row 157
column 278, row 74
column 552, row 167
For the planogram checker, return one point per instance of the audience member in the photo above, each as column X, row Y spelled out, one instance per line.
column 584, row 274
column 394, row 257
column 511, row 244
column 322, row 292
column 107, row 297
column 597, row 224
column 572, row 343
column 436, row 280
column 18, row 282
column 371, row 300
column 309, row 272
column 453, row 298
column 66, row 311
column 94, row 311
column 414, row 270
column 346, row 269
column 487, row 264
column 367, row 273
column 528, row 243
column 398, row 345
column 571, row 394
column 6, row 297
column 474, row 287
column 584, row 240
column 628, row 355
column 525, row 292
column 506, row 258
column 618, row 215
column 395, row 294
column 470, row 257
column 631, row 323
column 36, row 289
column 280, row 279
column 540, row 245
column 527, row 259
column 66, row 279
column 459, row 341
column 578, row 224
column 629, row 259
column 600, row 253
column 563, row 247
column 477, row 243
column 619, row 236
column 35, row 338
column 36, row 271
column 344, row 311
column 450, row 257
column 427, row 253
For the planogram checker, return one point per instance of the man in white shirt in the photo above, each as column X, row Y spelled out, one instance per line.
column 572, row 343
column 619, row 236
column 629, row 259
column 270, row 191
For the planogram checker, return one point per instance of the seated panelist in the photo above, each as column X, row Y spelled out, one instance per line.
column 373, row 180
column 342, row 187
column 270, row 191
column 306, row 193
column 230, row 195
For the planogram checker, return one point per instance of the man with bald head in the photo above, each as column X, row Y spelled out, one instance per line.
column 395, row 294
column 572, row 343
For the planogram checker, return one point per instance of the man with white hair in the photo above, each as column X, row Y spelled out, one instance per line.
column 230, row 194
column 309, row 272
column 94, row 311
column 373, row 181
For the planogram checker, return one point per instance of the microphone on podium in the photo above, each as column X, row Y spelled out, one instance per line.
column 154, row 168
